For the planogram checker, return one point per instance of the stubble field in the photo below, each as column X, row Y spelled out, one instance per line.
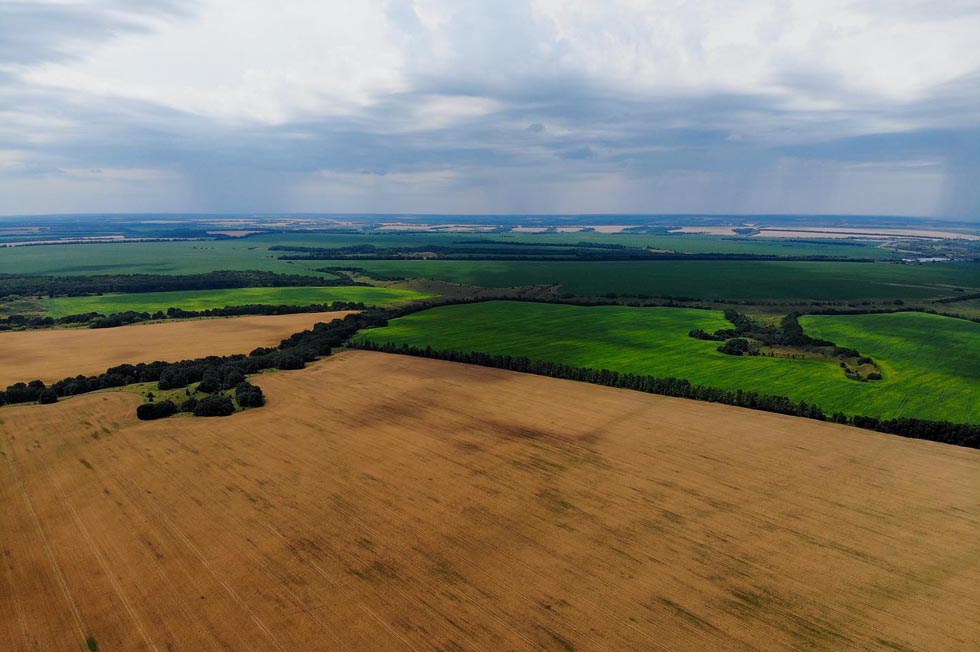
column 51, row 355
column 384, row 502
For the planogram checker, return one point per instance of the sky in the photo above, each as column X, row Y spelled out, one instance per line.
column 496, row 106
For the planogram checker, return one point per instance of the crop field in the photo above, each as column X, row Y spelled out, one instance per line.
column 742, row 280
column 51, row 355
column 190, row 257
column 383, row 502
column 655, row 341
column 929, row 362
column 204, row 299
column 144, row 258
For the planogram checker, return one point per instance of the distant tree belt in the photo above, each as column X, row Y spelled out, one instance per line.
column 959, row 434
column 963, row 297
column 515, row 243
column 378, row 276
column 99, row 320
column 537, row 252
column 26, row 285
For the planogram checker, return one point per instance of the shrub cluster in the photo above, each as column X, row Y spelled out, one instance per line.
column 150, row 411
column 248, row 395
column 216, row 405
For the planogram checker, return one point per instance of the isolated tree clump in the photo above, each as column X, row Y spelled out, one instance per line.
column 150, row 411
column 737, row 346
column 214, row 406
column 248, row 395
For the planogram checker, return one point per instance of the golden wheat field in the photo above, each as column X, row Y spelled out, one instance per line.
column 382, row 502
column 51, row 355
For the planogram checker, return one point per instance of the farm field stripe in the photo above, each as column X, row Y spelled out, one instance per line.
column 933, row 353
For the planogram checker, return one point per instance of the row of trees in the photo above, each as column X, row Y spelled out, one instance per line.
column 27, row 285
column 522, row 251
column 99, row 320
column 215, row 405
column 292, row 353
column 942, row 431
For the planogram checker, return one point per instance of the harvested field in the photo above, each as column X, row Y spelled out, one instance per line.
column 393, row 503
column 51, row 355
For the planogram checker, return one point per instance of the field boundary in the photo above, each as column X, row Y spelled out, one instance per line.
column 957, row 434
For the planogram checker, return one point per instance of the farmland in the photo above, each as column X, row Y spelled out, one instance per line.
column 51, row 355
column 931, row 363
column 189, row 257
column 741, row 281
column 752, row 281
column 655, row 341
column 205, row 299
column 388, row 503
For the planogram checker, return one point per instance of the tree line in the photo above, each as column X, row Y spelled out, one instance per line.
column 99, row 320
column 520, row 251
column 53, row 286
column 221, row 372
column 959, row 434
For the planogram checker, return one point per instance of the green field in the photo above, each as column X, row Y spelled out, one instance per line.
column 139, row 258
column 740, row 281
column 190, row 257
column 204, row 299
column 655, row 341
column 931, row 363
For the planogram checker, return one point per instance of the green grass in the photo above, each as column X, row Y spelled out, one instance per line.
column 741, row 281
column 204, row 299
column 931, row 364
column 654, row 341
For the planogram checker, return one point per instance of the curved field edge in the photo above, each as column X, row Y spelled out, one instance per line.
column 207, row 299
column 628, row 520
column 655, row 342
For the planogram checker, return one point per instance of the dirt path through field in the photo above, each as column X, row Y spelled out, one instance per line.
column 383, row 502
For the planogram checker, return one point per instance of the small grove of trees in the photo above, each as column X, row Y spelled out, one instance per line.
column 160, row 410
column 738, row 346
column 249, row 396
column 216, row 405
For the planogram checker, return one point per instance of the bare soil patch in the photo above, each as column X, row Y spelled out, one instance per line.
column 393, row 503
column 51, row 355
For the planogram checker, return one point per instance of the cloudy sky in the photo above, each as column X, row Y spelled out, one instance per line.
column 477, row 106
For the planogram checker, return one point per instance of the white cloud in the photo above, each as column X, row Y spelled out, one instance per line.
column 269, row 62
column 274, row 62
column 506, row 105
